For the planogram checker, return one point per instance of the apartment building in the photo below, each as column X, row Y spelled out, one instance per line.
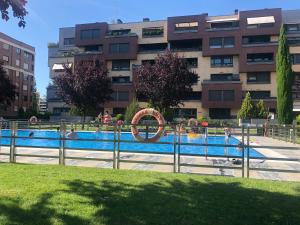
column 18, row 59
column 232, row 55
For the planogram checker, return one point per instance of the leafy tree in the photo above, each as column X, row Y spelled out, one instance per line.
column 247, row 108
column 131, row 110
column 18, row 8
column 284, row 81
column 261, row 110
column 165, row 83
column 7, row 89
column 86, row 87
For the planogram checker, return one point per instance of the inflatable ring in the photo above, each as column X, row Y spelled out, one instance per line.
column 192, row 122
column 33, row 120
column 148, row 112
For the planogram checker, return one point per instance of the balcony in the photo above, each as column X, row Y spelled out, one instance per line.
column 186, row 45
column 221, row 94
column 260, row 58
column 153, row 32
column 152, row 48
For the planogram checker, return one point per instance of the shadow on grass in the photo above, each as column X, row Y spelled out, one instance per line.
column 163, row 202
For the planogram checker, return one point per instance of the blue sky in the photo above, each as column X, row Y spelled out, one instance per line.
column 45, row 17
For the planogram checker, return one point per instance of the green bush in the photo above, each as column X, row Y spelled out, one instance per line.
column 131, row 110
column 201, row 119
column 298, row 119
column 120, row 117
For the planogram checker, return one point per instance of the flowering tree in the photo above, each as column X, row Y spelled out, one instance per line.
column 7, row 89
column 86, row 87
column 18, row 8
column 166, row 82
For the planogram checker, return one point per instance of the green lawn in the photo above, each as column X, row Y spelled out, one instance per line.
column 44, row 195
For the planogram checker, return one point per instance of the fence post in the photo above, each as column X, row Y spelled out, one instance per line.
column 12, row 152
column 248, row 153
column 118, row 148
column 114, row 153
column 294, row 132
column 62, row 144
column 178, row 154
column 174, row 149
column 243, row 152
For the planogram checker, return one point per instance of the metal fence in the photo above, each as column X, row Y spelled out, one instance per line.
column 176, row 157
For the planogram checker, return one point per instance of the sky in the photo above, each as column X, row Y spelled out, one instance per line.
column 47, row 16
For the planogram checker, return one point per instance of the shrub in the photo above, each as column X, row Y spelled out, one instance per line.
column 298, row 119
column 120, row 117
column 131, row 110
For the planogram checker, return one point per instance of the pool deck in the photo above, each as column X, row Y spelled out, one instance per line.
column 279, row 152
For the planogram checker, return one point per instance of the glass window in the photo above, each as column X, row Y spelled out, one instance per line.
column 222, row 61
column 120, row 96
column 259, row 77
column 69, row 41
column 121, row 65
column 259, row 39
column 260, row 57
column 228, row 95
column 192, row 62
column 153, row 47
column 153, row 32
column 17, row 62
column 25, row 87
column 119, row 48
column 228, row 42
column 18, row 51
column 221, row 95
column 296, row 59
column 121, row 79
column 119, row 32
column 215, row 42
column 93, row 48
column 25, row 98
column 89, row 34
column 5, row 46
column 260, row 94
column 26, row 66
column 5, row 58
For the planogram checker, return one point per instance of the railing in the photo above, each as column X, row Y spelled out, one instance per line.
column 177, row 158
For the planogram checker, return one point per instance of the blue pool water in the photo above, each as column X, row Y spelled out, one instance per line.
column 136, row 146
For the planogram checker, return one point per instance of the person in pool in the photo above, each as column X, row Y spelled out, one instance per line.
column 31, row 134
column 72, row 134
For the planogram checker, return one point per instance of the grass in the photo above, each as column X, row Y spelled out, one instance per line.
column 44, row 195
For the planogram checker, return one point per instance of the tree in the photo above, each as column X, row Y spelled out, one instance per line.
column 86, row 87
column 131, row 110
column 247, row 108
column 7, row 89
column 18, row 8
column 284, row 81
column 261, row 110
column 165, row 83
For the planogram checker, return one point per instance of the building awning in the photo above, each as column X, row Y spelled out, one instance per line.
column 260, row 20
column 296, row 106
column 222, row 20
column 60, row 66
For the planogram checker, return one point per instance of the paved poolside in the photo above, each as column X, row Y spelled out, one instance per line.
column 279, row 152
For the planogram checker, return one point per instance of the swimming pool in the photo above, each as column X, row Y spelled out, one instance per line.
column 108, row 137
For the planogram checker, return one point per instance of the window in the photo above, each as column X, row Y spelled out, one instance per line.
column 221, row 61
column 32, row 67
column 221, row 95
column 26, row 66
column 153, row 32
column 119, row 48
column 119, row 32
column 25, row 77
column 120, row 96
column 192, row 62
column 263, row 25
column 293, row 40
column 186, row 45
column 221, row 42
column 260, row 39
column 26, row 54
column 69, row 41
column 18, row 51
column 260, row 58
column 93, row 48
column 224, row 25
column 121, row 79
column 16, row 108
column 5, row 58
column 261, row 22
column 25, row 87
column 185, row 113
column 6, row 46
column 121, row 65
column 195, row 95
column 90, row 34
column 153, row 47
column 17, row 62
column 260, row 94
column 259, row 78
column 292, row 27
column 186, row 27
column 17, row 73
column 25, row 98
column 225, row 77
column 148, row 61
column 296, row 59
